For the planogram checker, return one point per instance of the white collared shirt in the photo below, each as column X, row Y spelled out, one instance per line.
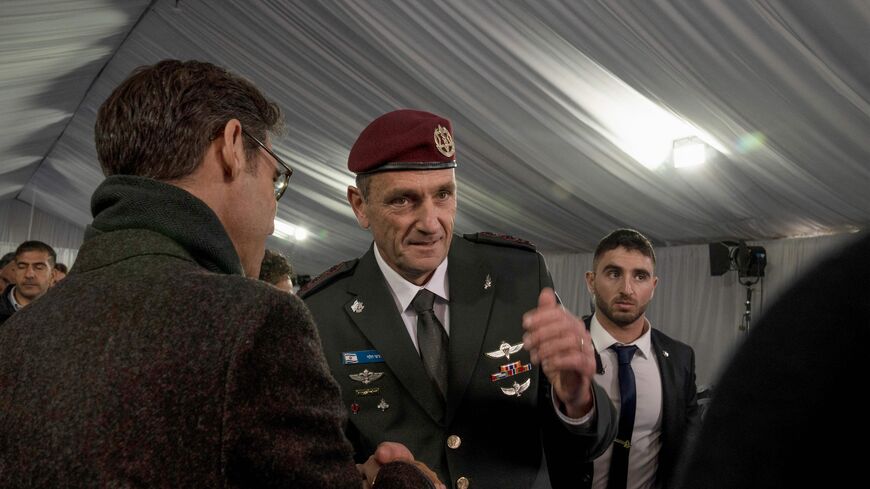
column 15, row 304
column 646, row 436
column 403, row 293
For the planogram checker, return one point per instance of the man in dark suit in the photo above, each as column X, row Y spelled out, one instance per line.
column 425, row 332
column 157, row 363
column 661, row 370
column 788, row 410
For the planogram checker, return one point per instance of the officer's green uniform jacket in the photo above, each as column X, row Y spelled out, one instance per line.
column 489, row 433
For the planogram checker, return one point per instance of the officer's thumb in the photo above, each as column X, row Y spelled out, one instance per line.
column 547, row 298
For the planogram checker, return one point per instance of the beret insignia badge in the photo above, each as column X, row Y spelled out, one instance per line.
column 444, row 141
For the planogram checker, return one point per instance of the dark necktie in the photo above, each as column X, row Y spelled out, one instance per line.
column 432, row 339
column 627, row 403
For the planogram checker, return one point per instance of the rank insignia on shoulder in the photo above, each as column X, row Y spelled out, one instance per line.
column 327, row 277
column 362, row 356
column 505, row 349
column 366, row 376
column 500, row 240
column 517, row 389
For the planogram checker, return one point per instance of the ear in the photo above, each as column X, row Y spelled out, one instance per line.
column 590, row 279
column 232, row 150
column 358, row 204
column 655, row 283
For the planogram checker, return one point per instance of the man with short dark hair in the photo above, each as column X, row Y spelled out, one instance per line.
column 454, row 345
column 7, row 270
column 34, row 272
column 648, row 375
column 277, row 271
column 60, row 271
column 158, row 363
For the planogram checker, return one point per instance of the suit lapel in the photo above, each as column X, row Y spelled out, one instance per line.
column 472, row 290
column 667, row 372
column 373, row 310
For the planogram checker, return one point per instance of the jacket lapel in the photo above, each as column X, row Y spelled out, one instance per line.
column 667, row 372
column 472, row 290
column 373, row 310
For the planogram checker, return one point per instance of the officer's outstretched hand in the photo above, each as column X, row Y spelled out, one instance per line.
column 560, row 345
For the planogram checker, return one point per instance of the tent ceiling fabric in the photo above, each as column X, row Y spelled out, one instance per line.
column 526, row 84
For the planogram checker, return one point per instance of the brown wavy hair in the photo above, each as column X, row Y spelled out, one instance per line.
column 159, row 122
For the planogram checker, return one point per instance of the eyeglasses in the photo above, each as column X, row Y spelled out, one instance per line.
column 283, row 174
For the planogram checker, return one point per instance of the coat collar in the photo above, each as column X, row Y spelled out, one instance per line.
column 124, row 202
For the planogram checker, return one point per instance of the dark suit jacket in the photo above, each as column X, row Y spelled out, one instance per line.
column 6, row 307
column 491, row 286
column 680, row 413
column 789, row 409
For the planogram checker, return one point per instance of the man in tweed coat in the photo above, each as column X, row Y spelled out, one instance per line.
column 157, row 363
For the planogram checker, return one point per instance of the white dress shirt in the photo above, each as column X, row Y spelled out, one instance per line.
column 403, row 293
column 15, row 303
column 646, row 436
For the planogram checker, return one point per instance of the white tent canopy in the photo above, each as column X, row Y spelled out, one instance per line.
column 549, row 101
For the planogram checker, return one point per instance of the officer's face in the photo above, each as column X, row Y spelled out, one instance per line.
column 623, row 284
column 411, row 216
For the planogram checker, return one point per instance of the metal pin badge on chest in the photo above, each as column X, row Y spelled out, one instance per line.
column 383, row 405
column 517, row 389
column 357, row 306
column 487, row 283
column 366, row 376
column 665, row 353
column 505, row 349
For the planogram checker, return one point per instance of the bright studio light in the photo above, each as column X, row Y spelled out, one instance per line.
column 689, row 152
column 285, row 230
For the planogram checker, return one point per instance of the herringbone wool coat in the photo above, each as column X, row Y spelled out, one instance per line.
column 156, row 363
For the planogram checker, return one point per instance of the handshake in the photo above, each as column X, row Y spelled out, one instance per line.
column 393, row 467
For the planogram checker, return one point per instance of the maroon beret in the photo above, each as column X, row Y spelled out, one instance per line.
column 404, row 140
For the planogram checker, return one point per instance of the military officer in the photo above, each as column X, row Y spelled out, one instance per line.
column 425, row 332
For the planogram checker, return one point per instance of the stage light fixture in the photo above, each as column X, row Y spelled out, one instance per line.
column 689, row 152
column 749, row 261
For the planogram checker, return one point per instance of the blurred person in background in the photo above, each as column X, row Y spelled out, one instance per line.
column 34, row 272
column 277, row 271
column 7, row 270
column 60, row 272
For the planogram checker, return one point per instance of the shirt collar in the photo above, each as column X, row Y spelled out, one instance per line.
column 15, row 304
column 405, row 291
column 602, row 339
